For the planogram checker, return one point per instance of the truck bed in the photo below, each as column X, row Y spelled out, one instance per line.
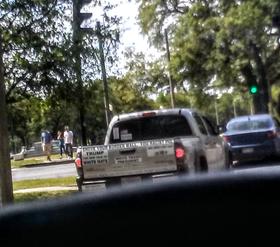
column 127, row 159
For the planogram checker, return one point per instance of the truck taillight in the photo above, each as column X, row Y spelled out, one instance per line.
column 78, row 162
column 180, row 153
column 148, row 114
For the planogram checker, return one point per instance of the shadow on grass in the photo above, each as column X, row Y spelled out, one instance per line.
column 40, row 196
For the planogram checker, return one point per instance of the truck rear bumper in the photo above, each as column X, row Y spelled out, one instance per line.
column 104, row 183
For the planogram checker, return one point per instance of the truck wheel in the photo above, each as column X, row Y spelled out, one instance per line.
column 79, row 183
column 203, row 166
column 112, row 182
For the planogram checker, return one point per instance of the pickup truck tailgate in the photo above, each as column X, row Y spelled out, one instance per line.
column 124, row 159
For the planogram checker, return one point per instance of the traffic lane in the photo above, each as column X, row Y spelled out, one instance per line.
column 269, row 161
column 261, row 166
column 42, row 172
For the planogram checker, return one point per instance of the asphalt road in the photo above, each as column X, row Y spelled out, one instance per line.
column 47, row 171
column 65, row 170
column 266, row 164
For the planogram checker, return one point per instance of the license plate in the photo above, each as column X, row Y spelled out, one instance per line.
column 247, row 150
column 131, row 180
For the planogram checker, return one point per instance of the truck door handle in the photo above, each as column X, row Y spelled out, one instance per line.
column 128, row 151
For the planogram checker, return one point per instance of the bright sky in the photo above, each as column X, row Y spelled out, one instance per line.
column 131, row 35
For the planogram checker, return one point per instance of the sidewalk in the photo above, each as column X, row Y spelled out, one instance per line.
column 46, row 189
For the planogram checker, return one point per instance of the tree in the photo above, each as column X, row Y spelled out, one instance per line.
column 149, row 76
column 38, row 61
column 33, row 52
column 6, row 186
column 127, row 96
column 219, row 43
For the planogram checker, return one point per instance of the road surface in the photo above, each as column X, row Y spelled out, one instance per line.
column 66, row 170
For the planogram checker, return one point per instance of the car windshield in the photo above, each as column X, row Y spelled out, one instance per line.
column 247, row 125
column 74, row 74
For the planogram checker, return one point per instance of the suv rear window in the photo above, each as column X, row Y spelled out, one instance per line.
column 149, row 128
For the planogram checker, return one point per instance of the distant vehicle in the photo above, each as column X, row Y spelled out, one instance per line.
column 253, row 137
column 142, row 145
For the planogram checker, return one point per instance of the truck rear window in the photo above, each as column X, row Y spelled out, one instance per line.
column 149, row 128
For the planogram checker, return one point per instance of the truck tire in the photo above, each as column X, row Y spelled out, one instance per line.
column 79, row 183
column 112, row 182
column 203, row 166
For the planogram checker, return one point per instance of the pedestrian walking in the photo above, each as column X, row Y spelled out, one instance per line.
column 46, row 139
column 68, row 140
column 60, row 137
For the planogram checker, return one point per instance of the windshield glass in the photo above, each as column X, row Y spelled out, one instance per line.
column 68, row 67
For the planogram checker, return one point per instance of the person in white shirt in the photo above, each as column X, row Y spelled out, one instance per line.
column 68, row 140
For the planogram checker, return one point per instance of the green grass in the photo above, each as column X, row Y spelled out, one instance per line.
column 28, row 161
column 36, row 183
column 44, row 195
column 31, row 161
column 35, row 196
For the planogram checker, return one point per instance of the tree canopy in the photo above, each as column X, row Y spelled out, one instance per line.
column 218, row 49
column 38, row 54
column 218, row 44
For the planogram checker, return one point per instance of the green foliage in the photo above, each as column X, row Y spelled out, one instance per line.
column 153, row 15
column 182, row 100
column 41, row 83
column 32, row 47
column 230, row 42
column 147, row 76
column 126, row 96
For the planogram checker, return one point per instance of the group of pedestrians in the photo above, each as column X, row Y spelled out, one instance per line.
column 65, row 143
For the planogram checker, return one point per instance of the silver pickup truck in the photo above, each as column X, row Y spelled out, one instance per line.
column 143, row 145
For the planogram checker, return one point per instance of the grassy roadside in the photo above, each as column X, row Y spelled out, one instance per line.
column 40, row 183
column 31, row 161
column 36, row 183
column 45, row 195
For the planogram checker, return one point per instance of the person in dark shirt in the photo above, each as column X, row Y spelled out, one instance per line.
column 60, row 137
column 46, row 139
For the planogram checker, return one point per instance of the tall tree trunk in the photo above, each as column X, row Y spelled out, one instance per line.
column 5, row 163
column 262, row 79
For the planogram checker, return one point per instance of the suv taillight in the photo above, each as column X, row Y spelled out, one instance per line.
column 271, row 134
column 226, row 138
